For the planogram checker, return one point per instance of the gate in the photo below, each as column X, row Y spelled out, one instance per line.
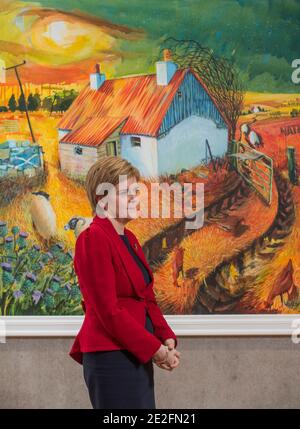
column 255, row 167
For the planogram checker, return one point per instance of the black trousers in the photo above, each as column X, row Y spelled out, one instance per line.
column 116, row 379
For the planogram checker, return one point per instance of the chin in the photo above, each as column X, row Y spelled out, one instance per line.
column 132, row 216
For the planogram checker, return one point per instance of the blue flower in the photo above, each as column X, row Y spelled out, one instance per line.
column 18, row 293
column 36, row 296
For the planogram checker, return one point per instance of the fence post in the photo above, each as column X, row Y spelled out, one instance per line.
column 292, row 168
column 232, row 150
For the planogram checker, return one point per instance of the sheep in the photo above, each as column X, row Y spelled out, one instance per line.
column 244, row 129
column 78, row 224
column 254, row 138
column 42, row 215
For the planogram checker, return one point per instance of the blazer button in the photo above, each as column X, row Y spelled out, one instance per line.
column 140, row 298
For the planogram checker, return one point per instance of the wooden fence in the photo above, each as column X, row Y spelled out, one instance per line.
column 255, row 167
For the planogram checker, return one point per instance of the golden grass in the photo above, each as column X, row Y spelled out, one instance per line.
column 253, row 98
column 67, row 197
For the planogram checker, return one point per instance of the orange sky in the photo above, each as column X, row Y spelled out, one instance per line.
column 58, row 46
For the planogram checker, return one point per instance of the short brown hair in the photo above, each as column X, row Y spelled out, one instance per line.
column 107, row 170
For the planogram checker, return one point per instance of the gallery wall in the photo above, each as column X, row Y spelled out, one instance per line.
column 215, row 372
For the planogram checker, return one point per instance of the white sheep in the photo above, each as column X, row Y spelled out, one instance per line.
column 42, row 215
column 244, row 129
column 254, row 138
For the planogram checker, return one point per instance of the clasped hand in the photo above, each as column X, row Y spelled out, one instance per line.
column 173, row 356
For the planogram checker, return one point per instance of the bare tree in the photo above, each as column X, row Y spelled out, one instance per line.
column 219, row 75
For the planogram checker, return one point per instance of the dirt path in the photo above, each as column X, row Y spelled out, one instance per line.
column 273, row 255
column 206, row 249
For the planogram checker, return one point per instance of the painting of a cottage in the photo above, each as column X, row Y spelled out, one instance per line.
column 150, row 120
column 189, row 92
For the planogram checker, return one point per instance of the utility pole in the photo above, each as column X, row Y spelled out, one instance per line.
column 22, row 92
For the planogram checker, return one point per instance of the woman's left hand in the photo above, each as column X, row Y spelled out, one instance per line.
column 170, row 343
column 172, row 361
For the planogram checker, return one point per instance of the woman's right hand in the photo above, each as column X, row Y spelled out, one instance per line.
column 160, row 354
column 170, row 358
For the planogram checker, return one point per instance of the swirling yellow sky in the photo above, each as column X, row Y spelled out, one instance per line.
column 59, row 46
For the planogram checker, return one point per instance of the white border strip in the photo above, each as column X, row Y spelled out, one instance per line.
column 186, row 325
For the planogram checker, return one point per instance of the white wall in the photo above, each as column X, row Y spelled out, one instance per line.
column 72, row 163
column 184, row 145
column 143, row 157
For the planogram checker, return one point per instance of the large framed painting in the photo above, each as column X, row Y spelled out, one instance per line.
column 204, row 92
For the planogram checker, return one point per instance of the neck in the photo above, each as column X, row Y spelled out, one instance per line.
column 118, row 224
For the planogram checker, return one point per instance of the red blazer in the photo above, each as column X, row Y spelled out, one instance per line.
column 115, row 295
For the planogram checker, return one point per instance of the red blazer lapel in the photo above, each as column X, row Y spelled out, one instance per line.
column 135, row 275
column 139, row 251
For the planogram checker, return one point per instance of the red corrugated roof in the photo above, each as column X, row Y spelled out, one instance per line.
column 93, row 130
column 94, row 115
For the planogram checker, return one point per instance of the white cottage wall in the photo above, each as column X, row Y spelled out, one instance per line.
column 144, row 157
column 184, row 145
column 74, row 164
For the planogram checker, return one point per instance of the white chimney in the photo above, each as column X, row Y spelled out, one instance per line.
column 165, row 69
column 96, row 79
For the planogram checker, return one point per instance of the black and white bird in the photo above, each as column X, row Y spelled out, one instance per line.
column 78, row 224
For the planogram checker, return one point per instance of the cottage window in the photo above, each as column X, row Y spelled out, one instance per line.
column 111, row 148
column 135, row 141
column 78, row 150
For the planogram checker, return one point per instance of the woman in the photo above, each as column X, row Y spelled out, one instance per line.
column 123, row 331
